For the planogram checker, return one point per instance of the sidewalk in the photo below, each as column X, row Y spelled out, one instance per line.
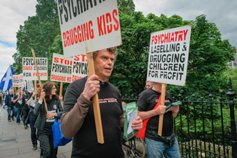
column 15, row 141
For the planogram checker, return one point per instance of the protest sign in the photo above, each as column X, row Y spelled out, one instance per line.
column 29, row 69
column 79, row 68
column 168, row 56
column 87, row 26
column 61, row 69
column 18, row 81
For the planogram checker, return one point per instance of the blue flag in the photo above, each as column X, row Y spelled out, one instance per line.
column 6, row 81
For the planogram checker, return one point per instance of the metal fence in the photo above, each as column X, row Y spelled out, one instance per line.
column 206, row 127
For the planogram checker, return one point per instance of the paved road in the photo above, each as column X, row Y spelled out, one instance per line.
column 15, row 141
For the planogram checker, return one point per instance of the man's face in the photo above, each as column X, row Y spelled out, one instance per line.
column 148, row 84
column 104, row 62
column 11, row 91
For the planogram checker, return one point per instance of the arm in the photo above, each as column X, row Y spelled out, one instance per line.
column 39, row 103
column 15, row 100
column 154, row 112
column 76, row 108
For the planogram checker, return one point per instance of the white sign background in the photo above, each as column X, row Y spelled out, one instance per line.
column 106, row 12
column 168, row 56
column 61, row 69
column 29, row 70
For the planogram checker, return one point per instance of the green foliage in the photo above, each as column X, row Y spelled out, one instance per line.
column 208, row 57
column 38, row 32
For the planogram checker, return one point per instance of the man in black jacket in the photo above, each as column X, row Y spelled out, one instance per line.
column 78, row 118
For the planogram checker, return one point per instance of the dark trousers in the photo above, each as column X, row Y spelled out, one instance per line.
column 10, row 111
column 33, row 129
column 46, row 146
column 25, row 115
column 18, row 114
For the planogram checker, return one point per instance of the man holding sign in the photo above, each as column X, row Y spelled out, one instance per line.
column 78, row 118
column 158, row 146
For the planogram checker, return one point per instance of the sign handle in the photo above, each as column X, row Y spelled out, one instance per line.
column 96, row 106
column 61, row 89
column 161, row 117
column 37, row 72
column 35, row 88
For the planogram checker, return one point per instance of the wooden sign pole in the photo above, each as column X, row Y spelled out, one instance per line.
column 35, row 88
column 161, row 117
column 96, row 106
column 61, row 89
column 37, row 72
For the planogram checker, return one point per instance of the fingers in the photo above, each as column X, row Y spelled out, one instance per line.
column 160, row 110
column 137, row 123
column 92, row 86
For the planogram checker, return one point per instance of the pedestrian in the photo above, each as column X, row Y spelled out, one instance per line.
column 158, row 146
column 1, row 99
column 19, row 102
column 26, row 109
column 32, row 117
column 78, row 117
column 45, row 119
column 9, row 104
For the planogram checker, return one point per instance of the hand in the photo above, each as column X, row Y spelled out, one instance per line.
column 175, row 109
column 92, row 86
column 60, row 98
column 51, row 115
column 137, row 123
column 160, row 110
column 35, row 93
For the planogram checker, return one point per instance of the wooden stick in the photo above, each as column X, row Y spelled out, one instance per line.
column 96, row 106
column 61, row 89
column 35, row 88
column 161, row 117
column 37, row 73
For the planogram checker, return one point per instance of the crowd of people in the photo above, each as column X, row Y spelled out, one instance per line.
column 42, row 107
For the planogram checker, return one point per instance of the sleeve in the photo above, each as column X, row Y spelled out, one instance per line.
column 142, row 102
column 75, row 111
column 38, row 107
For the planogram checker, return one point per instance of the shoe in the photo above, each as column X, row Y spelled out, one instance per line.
column 26, row 126
column 34, row 148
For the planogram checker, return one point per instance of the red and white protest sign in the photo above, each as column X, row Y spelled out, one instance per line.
column 168, row 56
column 79, row 67
column 61, row 69
column 29, row 70
column 87, row 26
column 18, row 80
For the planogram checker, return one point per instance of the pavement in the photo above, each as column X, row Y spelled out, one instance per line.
column 15, row 141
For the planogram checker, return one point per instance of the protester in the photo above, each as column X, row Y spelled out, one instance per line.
column 45, row 120
column 78, row 118
column 26, row 109
column 32, row 117
column 19, row 102
column 1, row 99
column 158, row 146
column 10, row 105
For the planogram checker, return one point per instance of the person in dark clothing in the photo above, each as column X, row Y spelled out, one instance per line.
column 158, row 146
column 1, row 99
column 19, row 102
column 78, row 117
column 45, row 119
column 26, row 110
column 10, row 105
column 32, row 117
